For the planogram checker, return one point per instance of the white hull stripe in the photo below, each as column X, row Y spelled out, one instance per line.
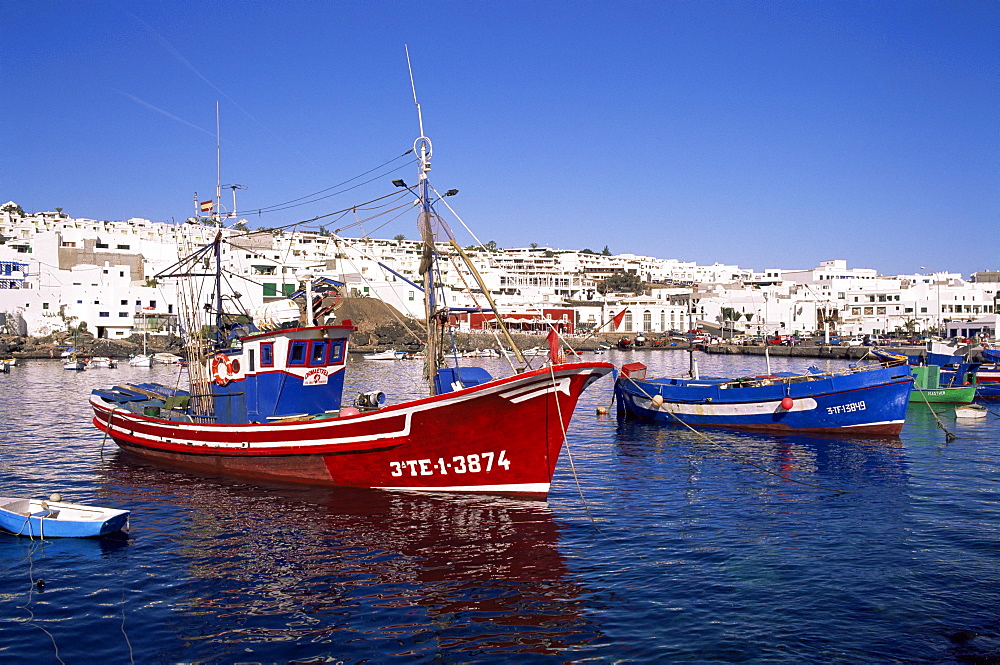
column 751, row 409
column 525, row 393
column 173, row 439
column 883, row 422
column 524, row 488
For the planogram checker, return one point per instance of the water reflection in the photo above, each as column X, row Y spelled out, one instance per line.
column 808, row 458
column 416, row 572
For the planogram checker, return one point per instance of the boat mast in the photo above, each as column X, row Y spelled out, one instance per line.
column 219, row 335
column 424, row 150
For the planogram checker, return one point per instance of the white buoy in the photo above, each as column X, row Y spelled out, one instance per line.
column 657, row 401
column 56, row 496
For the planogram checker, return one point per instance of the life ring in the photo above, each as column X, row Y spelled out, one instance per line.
column 222, row 369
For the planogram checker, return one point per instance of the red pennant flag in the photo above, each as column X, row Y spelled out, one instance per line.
column 619, row 317
column 553, row 346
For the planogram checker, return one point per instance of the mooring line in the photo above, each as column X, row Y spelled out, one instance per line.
column 31, row 579
column 569, row 453
column 948, row 436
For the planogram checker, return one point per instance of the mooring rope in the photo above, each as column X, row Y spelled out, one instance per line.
column 569, row 453
column 26, row 607
column 739, row 457
column 948, row 436
column 111, row 417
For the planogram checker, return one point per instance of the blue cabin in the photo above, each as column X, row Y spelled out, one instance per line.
column 279, row 374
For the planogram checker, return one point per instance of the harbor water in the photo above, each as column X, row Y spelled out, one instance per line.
column 657, row 544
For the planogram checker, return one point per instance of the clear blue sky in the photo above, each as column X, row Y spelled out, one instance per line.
column 761, row 133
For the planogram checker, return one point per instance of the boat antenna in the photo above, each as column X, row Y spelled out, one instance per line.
column 218, row 167
column 423, row 148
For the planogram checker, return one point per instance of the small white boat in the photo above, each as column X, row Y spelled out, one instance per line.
column 38, row 518
column 10, row 362
column 101, row 362
column 75, row 365
column 141, row 360
column 166, row 358
column 389, row 354
column 485, row 353
column 534, row 351
column 971, row 411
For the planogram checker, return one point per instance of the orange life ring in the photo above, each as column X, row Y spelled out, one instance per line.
column 219, row 361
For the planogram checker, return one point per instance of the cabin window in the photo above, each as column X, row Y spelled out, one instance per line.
column 297, row 353
column 336, row 353
column 267, row 354
column 253, row 366
column 317, row 352
column 270, row 289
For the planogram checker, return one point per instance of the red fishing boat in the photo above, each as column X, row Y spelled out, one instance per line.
column 264, row 399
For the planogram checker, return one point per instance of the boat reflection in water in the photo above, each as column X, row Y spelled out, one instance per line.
column 352, row 572
column 828, row 461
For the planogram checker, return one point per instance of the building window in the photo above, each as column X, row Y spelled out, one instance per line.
column 45, row 305
column 124, row 302
column 104, row 314
column 123, row 315
column 123, row 247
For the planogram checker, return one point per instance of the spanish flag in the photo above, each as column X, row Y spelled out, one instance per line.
column 206, row 206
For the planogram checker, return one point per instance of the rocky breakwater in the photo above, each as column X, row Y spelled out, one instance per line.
column 803, row 351
column 86, row 345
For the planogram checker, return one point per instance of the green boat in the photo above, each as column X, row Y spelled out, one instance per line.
column 927, row 388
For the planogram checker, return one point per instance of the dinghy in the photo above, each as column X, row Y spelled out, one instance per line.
column 38, row 518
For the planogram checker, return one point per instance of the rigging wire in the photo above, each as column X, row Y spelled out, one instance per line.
column 342, row 211
column 301, row 201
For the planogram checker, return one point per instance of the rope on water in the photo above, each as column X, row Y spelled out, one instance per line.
column 26, row 607
column 948, row 436
column 739, row 457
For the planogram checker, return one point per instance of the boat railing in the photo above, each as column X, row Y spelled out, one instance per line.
column 772, row 379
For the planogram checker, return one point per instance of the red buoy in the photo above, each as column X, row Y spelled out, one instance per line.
column 786, row 403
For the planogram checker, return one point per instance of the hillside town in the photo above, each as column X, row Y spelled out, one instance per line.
column 57, row 272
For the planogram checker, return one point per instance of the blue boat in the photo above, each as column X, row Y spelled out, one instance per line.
column 38, row 518
column 864, row 400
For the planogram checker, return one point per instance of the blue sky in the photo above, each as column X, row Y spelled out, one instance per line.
column 764, row 133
